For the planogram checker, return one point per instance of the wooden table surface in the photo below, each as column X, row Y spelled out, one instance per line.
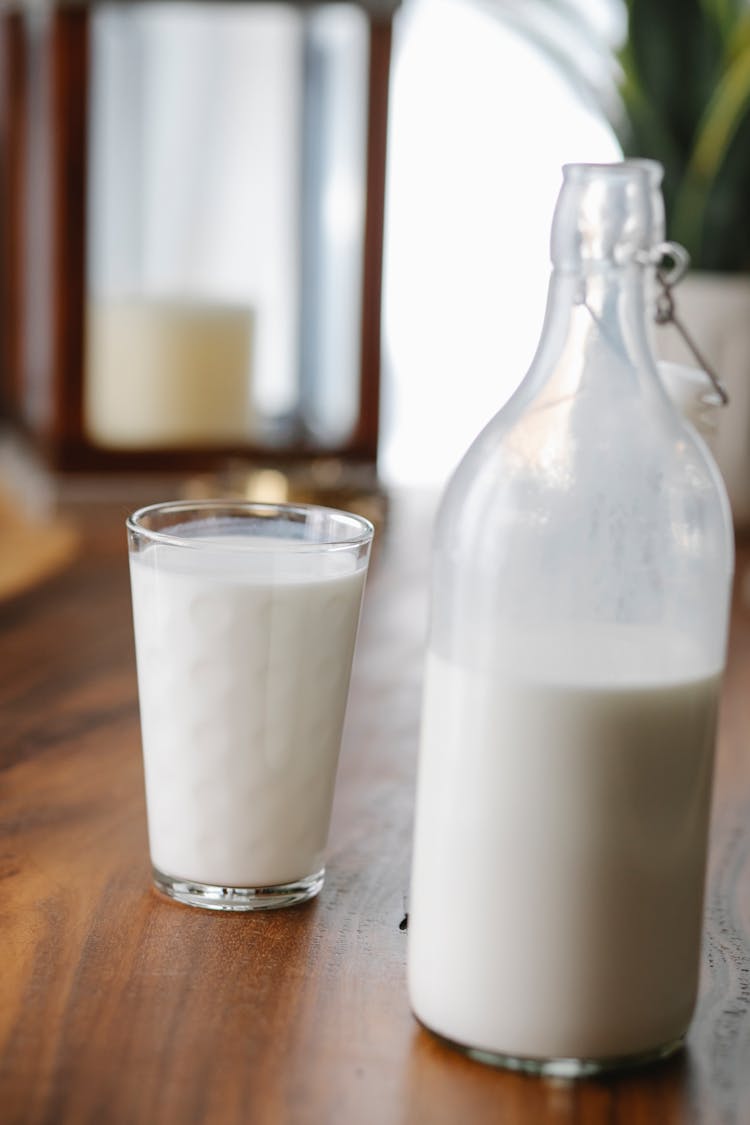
column 118, row 1006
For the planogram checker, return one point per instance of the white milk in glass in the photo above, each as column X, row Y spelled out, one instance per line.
column 243, row 673
column 560, row 844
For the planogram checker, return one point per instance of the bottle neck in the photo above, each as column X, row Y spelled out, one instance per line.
column 607, row 219
column 599, row 313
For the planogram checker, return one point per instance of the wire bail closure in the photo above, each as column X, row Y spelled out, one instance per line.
column 671, row 262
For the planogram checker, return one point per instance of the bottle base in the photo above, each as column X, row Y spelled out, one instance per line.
column 208, row 896
column 563, row 1067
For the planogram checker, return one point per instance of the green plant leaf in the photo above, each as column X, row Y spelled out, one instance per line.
column 725, row 242
column 738, row 41
column 724, row 115
column 724, row 15
column 674, row 52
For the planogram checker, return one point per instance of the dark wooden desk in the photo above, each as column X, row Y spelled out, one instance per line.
column 119, row 1007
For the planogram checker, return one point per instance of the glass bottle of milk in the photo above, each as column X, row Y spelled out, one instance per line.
column 581, row 583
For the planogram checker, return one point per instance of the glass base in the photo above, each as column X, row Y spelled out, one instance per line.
column 211, row 897
column 564, row 1067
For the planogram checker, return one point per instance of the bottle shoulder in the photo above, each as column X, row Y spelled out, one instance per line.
column 559, row 468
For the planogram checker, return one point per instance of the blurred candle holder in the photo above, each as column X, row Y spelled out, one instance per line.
column 192, row 207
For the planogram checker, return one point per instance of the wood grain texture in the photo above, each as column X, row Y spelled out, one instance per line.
column 117, row 1006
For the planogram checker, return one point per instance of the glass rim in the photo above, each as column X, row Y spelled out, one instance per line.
column 362, row 529
column 640, row 167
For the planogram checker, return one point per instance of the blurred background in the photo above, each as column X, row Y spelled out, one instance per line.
column 301, row 251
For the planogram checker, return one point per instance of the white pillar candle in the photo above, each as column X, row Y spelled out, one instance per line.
column 167, row 373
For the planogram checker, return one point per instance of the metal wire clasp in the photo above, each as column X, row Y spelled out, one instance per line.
column 671, row 262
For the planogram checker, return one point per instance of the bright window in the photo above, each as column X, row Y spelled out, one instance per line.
column 481, row 124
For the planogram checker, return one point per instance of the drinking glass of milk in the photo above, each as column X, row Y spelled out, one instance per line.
column 245, row 623
column 582, row 572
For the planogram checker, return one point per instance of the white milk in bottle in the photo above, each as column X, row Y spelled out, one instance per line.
column 560, row 850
